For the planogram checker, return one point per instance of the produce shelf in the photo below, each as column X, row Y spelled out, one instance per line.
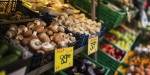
column 50, row 65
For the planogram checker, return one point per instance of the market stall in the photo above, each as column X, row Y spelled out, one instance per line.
column 74, row 37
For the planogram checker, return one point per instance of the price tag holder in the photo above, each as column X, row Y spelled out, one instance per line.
column 63, row 58
column 92, row 45
column 2, row 73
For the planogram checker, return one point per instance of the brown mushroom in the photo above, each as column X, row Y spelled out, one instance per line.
column 39, row 29
column 54, row 28
column 27, row 33
column 44, row 37
column 26, row 40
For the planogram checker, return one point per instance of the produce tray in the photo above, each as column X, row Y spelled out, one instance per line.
column 106, row 59
column 117, row 2
column 36, row 60
column 127, row 30
column 105, row 69
column 110, row 17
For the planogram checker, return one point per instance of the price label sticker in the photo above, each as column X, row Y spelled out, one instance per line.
column 2, row 73
column 63, row 58
column 92, row 45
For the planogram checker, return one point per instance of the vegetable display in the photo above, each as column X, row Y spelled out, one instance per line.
column 79, row 23
column 137, row 65
column 85, row 67
column 39, row 37
column 8, row 54
column 121, row 38
column 112, row 51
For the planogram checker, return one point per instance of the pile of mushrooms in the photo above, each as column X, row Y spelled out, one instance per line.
column 78, row 23
column 40, row 37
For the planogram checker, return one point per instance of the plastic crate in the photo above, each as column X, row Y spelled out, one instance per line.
column 112, row 18
column 17, row 5
column 105, row 69
column 7, row 6
column 107, row 61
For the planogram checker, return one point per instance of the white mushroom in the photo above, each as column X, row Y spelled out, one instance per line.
column 46, row 46
column 35, row 44
column 10, row 34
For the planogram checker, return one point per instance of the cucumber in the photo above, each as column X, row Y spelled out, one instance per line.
column 8, row 59
column 16, row 51
column 3, row 49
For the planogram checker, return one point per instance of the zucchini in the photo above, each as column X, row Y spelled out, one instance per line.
column 8, row 59
column 3, row 49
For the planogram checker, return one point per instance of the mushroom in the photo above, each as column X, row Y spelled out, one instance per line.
column 54, row 28
column 10, row 33
column 26, row 40
column 62, row 44
column 61, row 29
column 46, row 46
column 27, row 33
column 37, row 22
column 72, row 39
column 13, row 28
column 40, row 51
column 43, row 23
column 49, row 32
column 30, row 25
column 39, row 29
column 35, row 44
column 44, row 37
column 19, row 37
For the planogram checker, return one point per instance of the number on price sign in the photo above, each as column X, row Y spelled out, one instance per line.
column 2, row 73
column 92, row 45
column 63, row 58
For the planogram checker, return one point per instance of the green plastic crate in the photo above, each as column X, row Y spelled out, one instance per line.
column 112, row 18
column 112, row 1
column 107, row 61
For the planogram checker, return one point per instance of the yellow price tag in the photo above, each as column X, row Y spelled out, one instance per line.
column 63, row 58
column 92, row 45
column 2, row 73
